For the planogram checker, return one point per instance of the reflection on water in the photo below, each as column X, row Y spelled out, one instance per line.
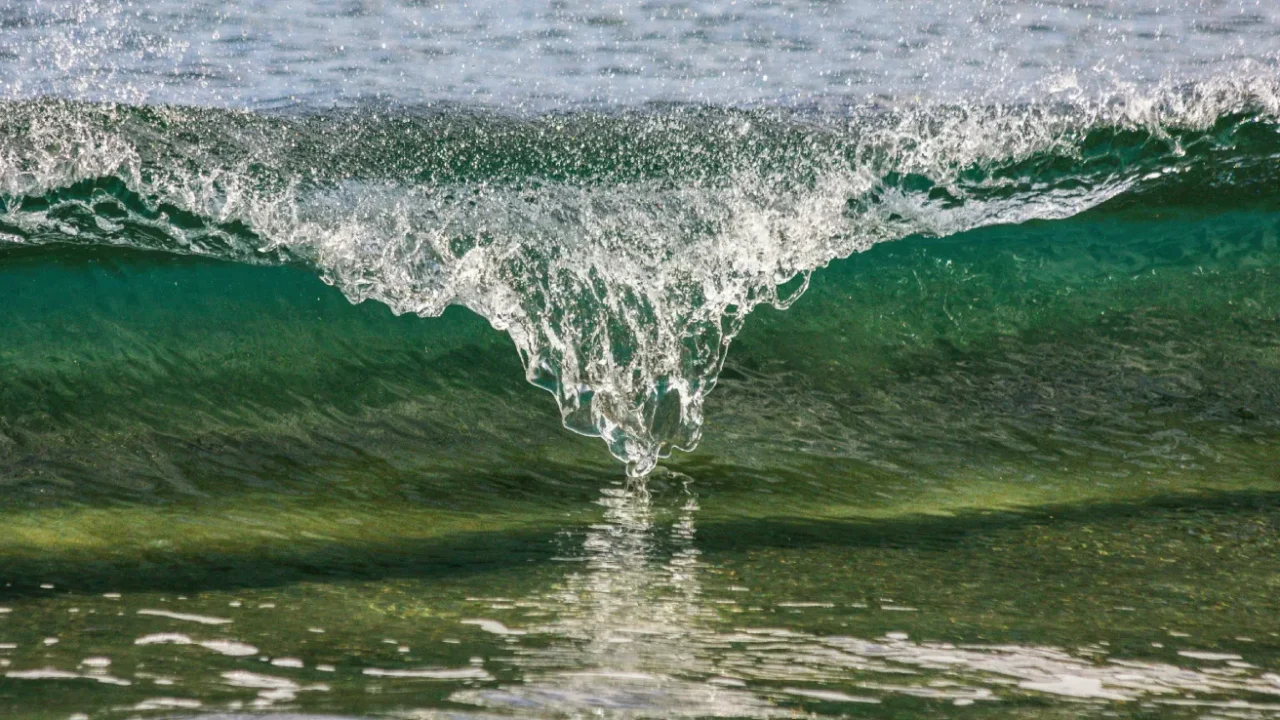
column 632, row 634
column 637, row 617
column 624, row 630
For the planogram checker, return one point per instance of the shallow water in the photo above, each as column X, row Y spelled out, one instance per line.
column 246, row 493
column 650, row 606
column 940, row 348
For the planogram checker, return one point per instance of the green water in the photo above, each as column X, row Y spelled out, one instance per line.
column 1025, row 471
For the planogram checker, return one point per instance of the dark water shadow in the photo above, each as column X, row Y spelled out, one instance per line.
column 463, row 554
column 926, row 532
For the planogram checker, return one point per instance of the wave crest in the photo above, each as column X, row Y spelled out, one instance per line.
column 621, row 252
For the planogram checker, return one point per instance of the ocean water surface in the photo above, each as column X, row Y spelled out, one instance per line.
column 396, row 359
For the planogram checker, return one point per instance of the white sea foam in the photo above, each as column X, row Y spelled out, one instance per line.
column 620, row 253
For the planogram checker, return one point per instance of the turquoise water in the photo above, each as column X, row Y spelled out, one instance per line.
column 387, row 360
column 620, row 252
column 1022, row 471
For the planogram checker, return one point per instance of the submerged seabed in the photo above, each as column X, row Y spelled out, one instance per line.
column 1025, row 470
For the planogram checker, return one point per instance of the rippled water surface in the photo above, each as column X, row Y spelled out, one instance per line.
column 1070, row 512
column 381, row 359
column 541, row 54
column 648, row 605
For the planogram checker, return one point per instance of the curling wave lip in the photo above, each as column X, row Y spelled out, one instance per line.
column 622, row 252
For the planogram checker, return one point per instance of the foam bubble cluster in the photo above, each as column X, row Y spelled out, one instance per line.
column 622, row 251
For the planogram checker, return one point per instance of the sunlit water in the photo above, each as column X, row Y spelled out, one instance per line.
column 940, row 342
column 627, row 617
column 544, row 54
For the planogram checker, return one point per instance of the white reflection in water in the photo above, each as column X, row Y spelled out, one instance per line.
column 625, row 639
column 634, row 637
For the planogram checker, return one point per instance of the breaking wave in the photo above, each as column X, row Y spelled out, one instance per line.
column 621, row 251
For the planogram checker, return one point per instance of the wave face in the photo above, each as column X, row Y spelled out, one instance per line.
column 622, row 251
